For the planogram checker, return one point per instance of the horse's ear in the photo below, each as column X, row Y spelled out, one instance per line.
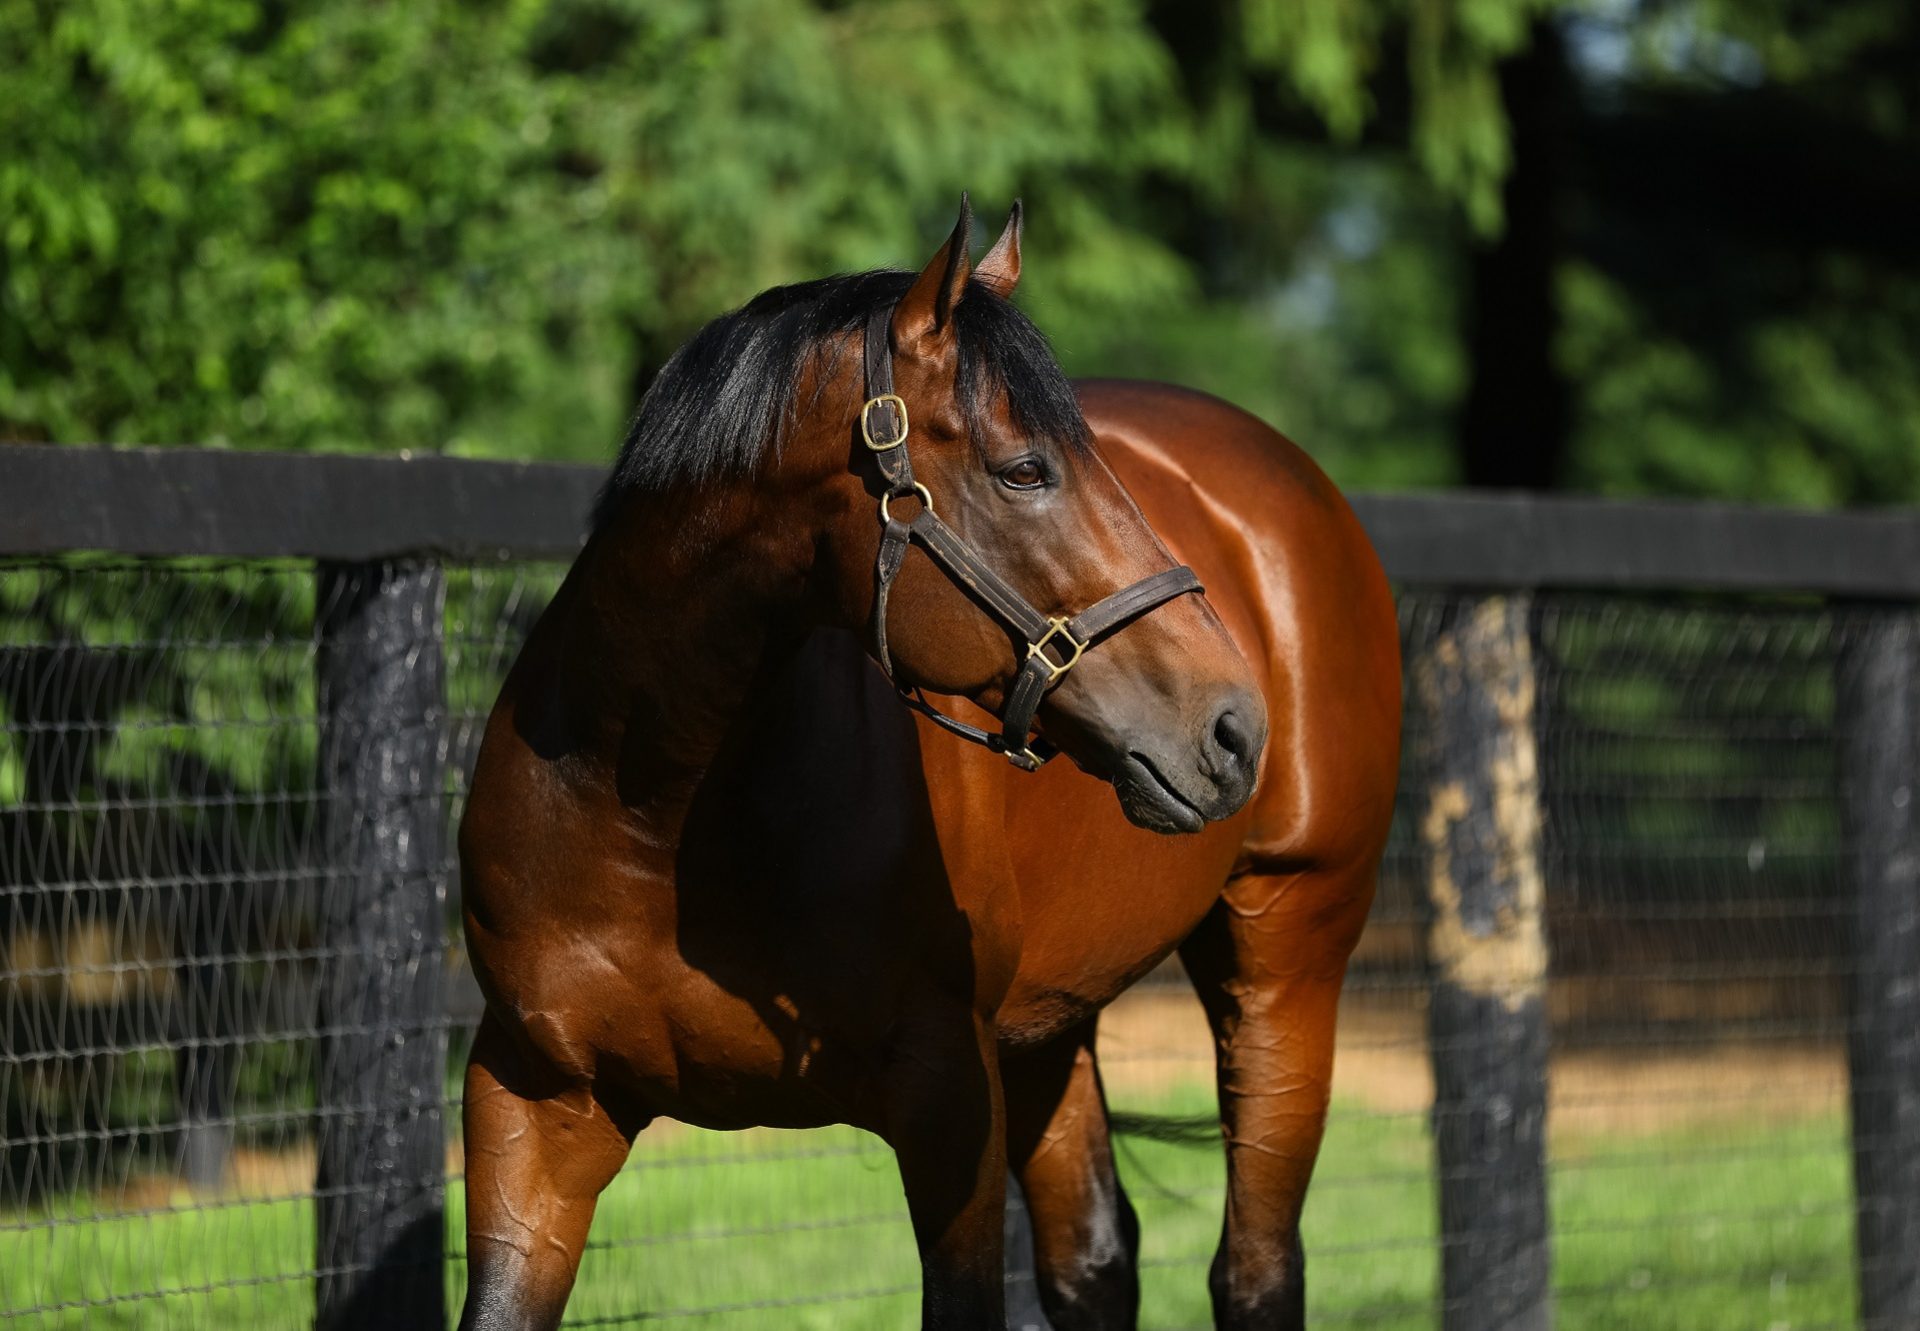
column 926, row 311
column 1000, row 270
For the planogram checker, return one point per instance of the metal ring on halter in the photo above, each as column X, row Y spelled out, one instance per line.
column 925, row 498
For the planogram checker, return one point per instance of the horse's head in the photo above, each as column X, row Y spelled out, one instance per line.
column 1159, row 702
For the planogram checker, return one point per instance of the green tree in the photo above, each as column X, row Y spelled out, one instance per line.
column 477, row 227
column 1641, row 244
column 480, row 227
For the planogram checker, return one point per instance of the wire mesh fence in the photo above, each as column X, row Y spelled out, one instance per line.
column 167, row 859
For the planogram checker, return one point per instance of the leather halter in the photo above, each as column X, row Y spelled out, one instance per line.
column 883, row 427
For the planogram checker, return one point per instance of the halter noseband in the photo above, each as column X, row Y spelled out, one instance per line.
column 883, row 427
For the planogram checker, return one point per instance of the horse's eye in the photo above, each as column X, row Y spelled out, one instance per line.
column 1026, row 474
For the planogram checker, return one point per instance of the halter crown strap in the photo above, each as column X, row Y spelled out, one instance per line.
column 885, row 413
column 1054, row 644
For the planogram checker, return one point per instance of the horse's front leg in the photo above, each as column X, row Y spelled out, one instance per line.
column 946, row 1122
column 1086, row 1238
column 1268, row 962
column 539, row 1149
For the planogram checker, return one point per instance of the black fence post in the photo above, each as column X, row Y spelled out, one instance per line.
column 380, row 1208
column 1880, row 727
column 1486, row 942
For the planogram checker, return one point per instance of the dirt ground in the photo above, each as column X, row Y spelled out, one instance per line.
column 1155, row 1038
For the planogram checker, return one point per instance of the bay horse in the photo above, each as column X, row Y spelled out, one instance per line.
column 715, row 871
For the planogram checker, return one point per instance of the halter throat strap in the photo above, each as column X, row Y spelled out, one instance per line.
column 1054, row 644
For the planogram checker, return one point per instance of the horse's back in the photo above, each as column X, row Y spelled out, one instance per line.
column 1295, row 578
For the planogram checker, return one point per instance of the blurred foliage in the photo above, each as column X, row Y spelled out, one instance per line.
column 481, row 227
column 1329, row 53
column 1746, row 326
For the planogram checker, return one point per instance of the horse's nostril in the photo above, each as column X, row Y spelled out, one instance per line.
column 1234, row 736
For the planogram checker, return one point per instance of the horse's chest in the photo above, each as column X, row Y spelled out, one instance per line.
column 1102, row 902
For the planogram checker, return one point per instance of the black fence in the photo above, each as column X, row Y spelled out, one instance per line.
column 1633, row 1037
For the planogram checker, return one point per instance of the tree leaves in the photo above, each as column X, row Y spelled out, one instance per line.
column 478, row 227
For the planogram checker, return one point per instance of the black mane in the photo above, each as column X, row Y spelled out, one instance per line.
column 726, row 399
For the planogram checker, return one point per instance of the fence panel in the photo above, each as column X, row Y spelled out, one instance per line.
column 164, row 954
column 159, row 846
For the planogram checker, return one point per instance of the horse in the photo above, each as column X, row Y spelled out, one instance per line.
column 714, row 870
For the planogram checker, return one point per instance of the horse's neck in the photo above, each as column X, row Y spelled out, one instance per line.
column 663, row 638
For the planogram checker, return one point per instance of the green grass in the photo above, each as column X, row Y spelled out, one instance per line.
column 1739, row 1227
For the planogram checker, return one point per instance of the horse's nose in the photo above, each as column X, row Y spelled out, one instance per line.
column 1232, row 747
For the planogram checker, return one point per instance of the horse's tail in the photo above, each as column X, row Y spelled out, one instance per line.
column 1168, row 1129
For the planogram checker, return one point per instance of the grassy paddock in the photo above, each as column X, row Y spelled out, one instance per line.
column 1728, row 1226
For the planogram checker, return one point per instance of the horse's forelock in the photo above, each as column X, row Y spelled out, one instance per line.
column 724, row 402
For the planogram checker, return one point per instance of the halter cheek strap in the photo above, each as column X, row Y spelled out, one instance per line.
column 1054, row 644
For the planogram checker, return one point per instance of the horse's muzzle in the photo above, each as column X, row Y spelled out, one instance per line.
column 1167, row 792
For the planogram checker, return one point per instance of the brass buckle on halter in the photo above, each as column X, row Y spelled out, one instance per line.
column 1023, row 757
column 1026, row 759
column 1056, row 628
column 866, row 423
